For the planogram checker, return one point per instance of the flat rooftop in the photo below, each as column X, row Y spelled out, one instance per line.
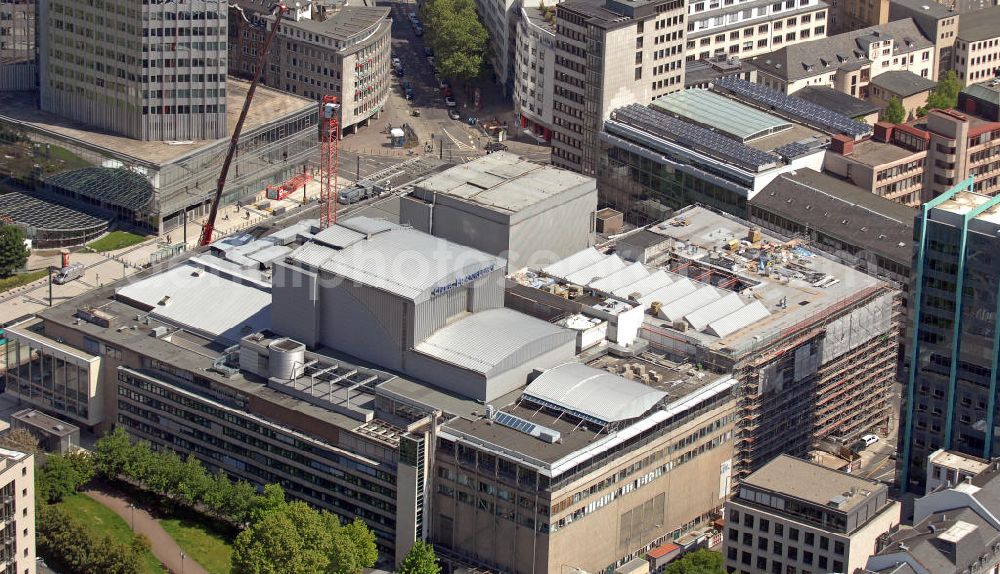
column 964, row 202
column 798, row 283
column 501, row 181
column 683, row 387
column 346, row 24
column 980, row 25
column 843, row 211
column 959, row 461
column 811, row 482
column 875, row 153
column 268, row 105
column 714, row 111
column 50, row 425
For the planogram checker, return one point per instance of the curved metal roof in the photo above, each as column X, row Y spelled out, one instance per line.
column 592, row 394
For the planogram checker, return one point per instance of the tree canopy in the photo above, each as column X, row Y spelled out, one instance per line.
column 457, row 36
column 13, row 251
column 294, row 538
column 62, row 475
column 945, row 95
column 894, row 112
column 700, row 561
column 420, row 560
column 69, row 545
column 20, row 440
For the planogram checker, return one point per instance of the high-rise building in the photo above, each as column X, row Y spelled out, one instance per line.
column 17, row 45
column 796, row 516
column 146, row 70
column 954, row 334
column 848, row 15
column 534, row 70
column 609, row 54
column 17, row 487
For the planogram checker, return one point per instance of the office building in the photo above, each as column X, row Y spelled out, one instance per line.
column 17, row 486
column 157, row 185
column 955, row 530
column 796, row 516
column 880, row 167
column 847, row 62
column 705, row 300
column 741, row 31
column 152, row 72
column 686, row 147
column 610, row 54
column 18, row 49
column 951, row 378
column 960, row 146
column 341, row 51
column 977, row 47
column 938, row 23
column 869, row 233
column 847, row 15
column 502, row 19
column 534, row 70
column 502, row 204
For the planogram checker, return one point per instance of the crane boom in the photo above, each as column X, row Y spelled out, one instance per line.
column 206, row 232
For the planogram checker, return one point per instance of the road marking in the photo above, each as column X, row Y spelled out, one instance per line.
column 454, row 140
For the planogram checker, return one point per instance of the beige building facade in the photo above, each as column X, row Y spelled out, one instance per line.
column 610, row 54
column 882, row 168
column 745, row 29
column 796, row 517
column 17, row 487
column 977, row 48
column 848, row 15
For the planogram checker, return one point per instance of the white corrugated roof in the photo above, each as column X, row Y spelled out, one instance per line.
column 203, row 302
column 656, row 280
column 575, row 262
column 592, row 392
column 338, row 236
column 269, row 254
column 313, row 254
column 676, row 310
column 482, row 340
column 737, row 320
column 601, row 269
column 670, row 293
column 366, row 225
column 626, row 276
column 700, row 318
column 407, row 262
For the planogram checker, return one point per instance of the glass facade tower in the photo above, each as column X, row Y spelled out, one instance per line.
column 950, row 400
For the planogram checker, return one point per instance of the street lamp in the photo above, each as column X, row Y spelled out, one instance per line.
column 132, row 507
column 183, row 556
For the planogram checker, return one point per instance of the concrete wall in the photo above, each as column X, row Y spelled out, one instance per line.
column 295, row 303
column 365, row 322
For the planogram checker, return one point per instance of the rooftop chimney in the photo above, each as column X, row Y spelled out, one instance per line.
column 842, row 144
column 883, row 132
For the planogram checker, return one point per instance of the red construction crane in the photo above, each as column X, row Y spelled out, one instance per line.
column 206, row 233
column 329, row 159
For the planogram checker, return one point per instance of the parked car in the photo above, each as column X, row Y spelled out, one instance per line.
column 446, row 92
column 495, row 146
column 869, row 439
column 442, row 85
column 400, row 71
column 408, row 94
column 69, row 273
column 450, row 102
column 418, row 30
column 428, row 51
column 396, row 61
column 453, row 114
column 430, row 60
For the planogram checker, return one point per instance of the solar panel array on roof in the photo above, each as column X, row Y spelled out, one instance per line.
column 801, row 110
column 695, row 137
column 792, row 150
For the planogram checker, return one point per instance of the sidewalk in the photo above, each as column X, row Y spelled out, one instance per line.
column 163, row 546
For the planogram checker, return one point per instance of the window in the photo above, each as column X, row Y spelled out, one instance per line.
column 748, row 520
column 763, row 525
column 793, row 534
column 762, row 543
column 809, row 539
column 838, row 548
column 747, row 539
column 779, row 529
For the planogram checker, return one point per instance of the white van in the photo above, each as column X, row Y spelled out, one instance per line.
column 69, row 273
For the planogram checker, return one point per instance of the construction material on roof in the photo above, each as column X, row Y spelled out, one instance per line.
column 592, row 394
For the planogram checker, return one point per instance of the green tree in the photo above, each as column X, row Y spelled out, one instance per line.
column 194, row 482
column 894, row 113
column 945, row 95
column 112, row 452
column 270, row 500
column 68, row 545
column 420, row 560
column 352, row 547
column 13, row 251
column 457, row 36
column 61, row 477
column 293, row 539
column 20, row 440
column 700, row 561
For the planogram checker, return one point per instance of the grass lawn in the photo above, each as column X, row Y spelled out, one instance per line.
column 104, row 521
column 116, row 240
column 8, row 283
column 208, row 548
